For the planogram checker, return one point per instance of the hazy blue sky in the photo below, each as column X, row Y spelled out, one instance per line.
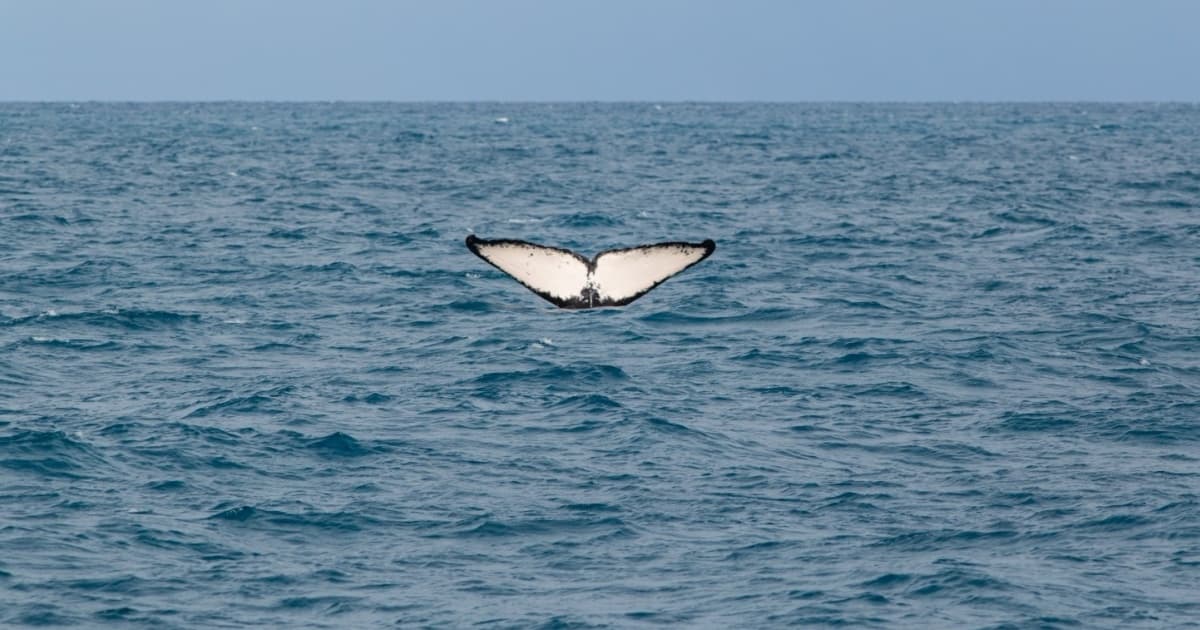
column 657, row 50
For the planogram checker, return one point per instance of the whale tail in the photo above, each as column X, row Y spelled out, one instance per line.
column 614, row 277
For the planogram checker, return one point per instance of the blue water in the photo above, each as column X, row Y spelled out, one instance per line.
column 943, row 369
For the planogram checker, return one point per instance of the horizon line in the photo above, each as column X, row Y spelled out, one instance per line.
column 352, row 101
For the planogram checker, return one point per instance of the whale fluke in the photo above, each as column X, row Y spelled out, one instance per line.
column 614, row 277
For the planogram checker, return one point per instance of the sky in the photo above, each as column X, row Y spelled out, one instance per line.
column 600, row 50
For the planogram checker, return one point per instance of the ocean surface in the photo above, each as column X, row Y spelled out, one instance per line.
column 943, row 370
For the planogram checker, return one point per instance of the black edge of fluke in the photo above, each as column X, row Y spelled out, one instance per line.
column 473, row 244
column 588, row 294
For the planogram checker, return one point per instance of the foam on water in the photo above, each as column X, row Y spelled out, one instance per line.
column 939, row 373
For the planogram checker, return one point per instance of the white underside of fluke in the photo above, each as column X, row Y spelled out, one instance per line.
column 613, row 278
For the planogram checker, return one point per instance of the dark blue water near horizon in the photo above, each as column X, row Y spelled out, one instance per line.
column 943, row 369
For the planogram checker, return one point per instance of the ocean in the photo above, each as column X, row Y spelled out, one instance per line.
column 942, row 370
